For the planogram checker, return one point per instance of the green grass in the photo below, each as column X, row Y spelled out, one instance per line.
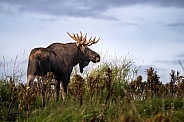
column 109, row 92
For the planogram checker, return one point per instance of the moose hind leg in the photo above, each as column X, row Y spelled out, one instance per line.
column 64, row 91
column 57, row 88
column 30, row 79
column 43, row 91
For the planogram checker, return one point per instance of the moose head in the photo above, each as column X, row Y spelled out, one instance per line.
column 85, row 54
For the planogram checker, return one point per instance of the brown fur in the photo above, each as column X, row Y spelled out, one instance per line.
column 59, row 58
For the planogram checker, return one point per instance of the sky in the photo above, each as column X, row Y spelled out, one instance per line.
column 149, row 32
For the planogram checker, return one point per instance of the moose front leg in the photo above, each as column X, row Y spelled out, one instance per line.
column 64, row 85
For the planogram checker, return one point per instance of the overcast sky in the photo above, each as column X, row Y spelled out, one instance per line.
column 150, row 32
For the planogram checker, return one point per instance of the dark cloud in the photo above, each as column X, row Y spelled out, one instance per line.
column 181, row 55
column 55, row 7
column 176, row 24
column 77, row 8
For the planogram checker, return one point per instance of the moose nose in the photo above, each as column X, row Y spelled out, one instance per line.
column 97, row 58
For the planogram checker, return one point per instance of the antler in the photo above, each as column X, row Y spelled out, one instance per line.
column 83, row 40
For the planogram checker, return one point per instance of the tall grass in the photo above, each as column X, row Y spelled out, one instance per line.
column 12, row 69
column 111, row 91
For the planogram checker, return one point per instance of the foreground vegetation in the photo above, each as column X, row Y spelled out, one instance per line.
column 110, row 92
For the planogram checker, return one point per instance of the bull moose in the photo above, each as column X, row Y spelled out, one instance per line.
column 59, row 59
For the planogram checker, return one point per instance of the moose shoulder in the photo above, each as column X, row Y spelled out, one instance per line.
column 60, row 60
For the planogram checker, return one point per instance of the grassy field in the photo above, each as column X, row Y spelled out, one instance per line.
column 111, row 92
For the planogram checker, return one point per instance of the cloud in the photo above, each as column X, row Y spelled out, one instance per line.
column 181, row 55
column 56, row 7
column 175, row 61
column 77, row 8
column 179, row 26
column 51, row 19
column 176, row 24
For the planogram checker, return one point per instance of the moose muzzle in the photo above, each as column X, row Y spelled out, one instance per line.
column 96, row 58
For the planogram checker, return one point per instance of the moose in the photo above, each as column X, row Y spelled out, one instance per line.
column 60, row 59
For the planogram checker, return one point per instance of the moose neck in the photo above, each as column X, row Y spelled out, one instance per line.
column 77, row 55
column 83, row 61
